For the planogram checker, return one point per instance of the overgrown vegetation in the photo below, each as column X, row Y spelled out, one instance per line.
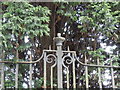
column 89, row 27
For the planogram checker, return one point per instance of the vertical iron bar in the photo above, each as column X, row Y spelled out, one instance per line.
column 112, row 76
column 86, row 74
column 68, row 81
column 68, row 85
column 59, row 67
column 51, row 77
column 74, row 79
column 52, row 74
column 2, row 75
column 99, row 75
column 51, row 71
column 16, row 73
column 30, row 86
column 2, row 72
column 16, row 76
column 45, row 69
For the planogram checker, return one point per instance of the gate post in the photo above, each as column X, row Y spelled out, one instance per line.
column 59, row 40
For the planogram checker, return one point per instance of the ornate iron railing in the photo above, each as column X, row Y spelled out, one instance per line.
column 61, row 61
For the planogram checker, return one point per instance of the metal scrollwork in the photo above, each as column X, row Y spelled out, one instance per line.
column 51, row 58
column 67, row 59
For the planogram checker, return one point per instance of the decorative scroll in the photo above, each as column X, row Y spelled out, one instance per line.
column 51, row 58
column 67, row 59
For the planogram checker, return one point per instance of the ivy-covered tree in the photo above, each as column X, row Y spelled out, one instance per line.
column 87, row 26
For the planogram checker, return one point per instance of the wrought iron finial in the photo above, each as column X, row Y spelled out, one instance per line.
column 59, row 40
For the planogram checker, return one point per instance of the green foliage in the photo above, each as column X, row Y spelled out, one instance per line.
column 97, row 53
column 114, row 59
column 97, row 17
column 9, row 81
column 39, row 83
column 21, row 19
column 84, row 21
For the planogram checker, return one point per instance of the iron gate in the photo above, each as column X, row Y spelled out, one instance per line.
column 60, row 61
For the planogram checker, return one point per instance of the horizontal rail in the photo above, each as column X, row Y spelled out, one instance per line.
column 62, row 51
column 93, row 65
column 31, row 62
column 23, row 62
column 49, row 50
